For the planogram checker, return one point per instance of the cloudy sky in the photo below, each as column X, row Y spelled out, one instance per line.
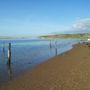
column 37, row 17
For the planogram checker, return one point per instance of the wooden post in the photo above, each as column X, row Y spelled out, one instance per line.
column 9, row 54
column 50, row 44
column 56, row 47
column 3, row 47
column 56, row 51
column 4, row 52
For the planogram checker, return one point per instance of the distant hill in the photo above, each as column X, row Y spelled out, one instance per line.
column 85, row 35
column 17, row 37
column 6, row 37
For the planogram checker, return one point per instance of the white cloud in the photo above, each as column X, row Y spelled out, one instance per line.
column 81, row 26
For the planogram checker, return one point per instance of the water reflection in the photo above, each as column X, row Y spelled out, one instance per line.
column 9, row 70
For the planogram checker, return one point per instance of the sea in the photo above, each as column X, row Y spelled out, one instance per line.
column 26, row 54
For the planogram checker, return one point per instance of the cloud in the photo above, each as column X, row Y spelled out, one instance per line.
column 82, row 26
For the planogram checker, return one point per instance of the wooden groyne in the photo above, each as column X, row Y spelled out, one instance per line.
column 9, row 54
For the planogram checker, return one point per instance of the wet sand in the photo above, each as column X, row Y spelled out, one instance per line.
column 68, row 71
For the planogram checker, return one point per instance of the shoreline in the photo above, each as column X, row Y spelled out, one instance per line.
column 67, row 71
column 50, row 52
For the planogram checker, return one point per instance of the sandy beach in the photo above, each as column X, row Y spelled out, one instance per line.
column 68, row 71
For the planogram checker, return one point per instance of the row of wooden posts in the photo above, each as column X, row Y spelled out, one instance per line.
column 9, row 58
column 9, row 51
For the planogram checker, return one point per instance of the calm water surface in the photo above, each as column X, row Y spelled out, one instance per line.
column 28, row 53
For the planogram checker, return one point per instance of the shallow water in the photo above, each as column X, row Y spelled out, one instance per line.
column 27, row 53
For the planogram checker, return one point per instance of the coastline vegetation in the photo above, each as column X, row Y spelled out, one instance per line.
column 85, row 35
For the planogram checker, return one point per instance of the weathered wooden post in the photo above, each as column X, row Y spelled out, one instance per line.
column 4, row 52
column 56, row 51
column 50, row 44
column 56, row 47
column 3, row 47
column 9, row 54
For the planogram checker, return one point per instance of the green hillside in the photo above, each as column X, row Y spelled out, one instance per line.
column 67, row 36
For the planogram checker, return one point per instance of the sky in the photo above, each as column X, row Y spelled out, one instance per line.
column 39, row 17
